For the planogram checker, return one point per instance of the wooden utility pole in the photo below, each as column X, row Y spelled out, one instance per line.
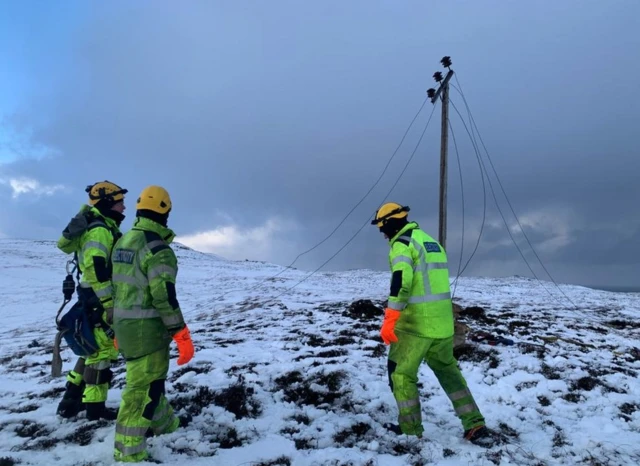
column 443, row 91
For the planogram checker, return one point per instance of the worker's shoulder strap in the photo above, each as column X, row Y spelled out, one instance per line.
column 155, row 243
column 96, row 222
column 405, row 238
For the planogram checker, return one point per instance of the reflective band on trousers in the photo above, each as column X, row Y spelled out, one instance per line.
column 460, row 394
column 416, row 417
column 157, row 415
column 163, row 427
column 408, row 403
column 468, row 408
column 127, row 451
column 100, row 365
column 135, row 313
column 131, row 431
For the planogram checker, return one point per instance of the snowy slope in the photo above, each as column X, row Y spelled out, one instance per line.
column 298, row 379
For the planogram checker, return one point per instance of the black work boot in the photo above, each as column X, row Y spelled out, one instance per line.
column 482, row 436
column 185, row 419
column 97, row 411
column 395, row 428
column 71, row 403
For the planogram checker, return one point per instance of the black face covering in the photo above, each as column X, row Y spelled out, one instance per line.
column 117, row 216
column 155, row 216
column 392, row 226
column 104, row 207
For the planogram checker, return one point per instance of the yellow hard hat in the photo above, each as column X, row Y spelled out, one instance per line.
column 105, row 190
column 154, row 198
column 387, row 211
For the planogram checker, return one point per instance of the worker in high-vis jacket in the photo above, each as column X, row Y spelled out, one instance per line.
column 418, row 324
column 90, row 236
column 146, row 318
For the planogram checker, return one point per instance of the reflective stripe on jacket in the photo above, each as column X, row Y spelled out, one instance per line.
column 94, row 254
column 146, row 310
column 420, row 284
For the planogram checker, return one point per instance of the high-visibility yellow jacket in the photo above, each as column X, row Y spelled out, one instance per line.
column 146, row 311
column 420, row 284
column 93, row 248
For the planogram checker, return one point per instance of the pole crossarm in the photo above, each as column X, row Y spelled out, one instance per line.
column 444, row 83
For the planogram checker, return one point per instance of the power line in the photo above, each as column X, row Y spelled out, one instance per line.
column 500, row 211
column 455, row 144
column 484, row 207
column 368, row 218
column 472, row 120
column 483, row 171
column 386, row 167
column 459, row 89
column 370, row 189
column 361, row 227
column 484, row 214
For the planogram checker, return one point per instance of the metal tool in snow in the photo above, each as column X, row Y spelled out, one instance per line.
column 68, row 288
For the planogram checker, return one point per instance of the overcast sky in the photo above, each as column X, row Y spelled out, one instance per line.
column 268, row 121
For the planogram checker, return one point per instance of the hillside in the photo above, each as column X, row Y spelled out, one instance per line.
column 300, row 378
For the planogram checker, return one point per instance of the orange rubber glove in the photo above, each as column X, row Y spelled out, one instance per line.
column 388, row 325
column 115, row 343
column 185, row 346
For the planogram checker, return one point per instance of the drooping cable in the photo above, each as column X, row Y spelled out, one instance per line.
column 501, row 214
column 367, row 222
column 455, row 144
column 459, row 89
column 484, row 211
column 386, row 167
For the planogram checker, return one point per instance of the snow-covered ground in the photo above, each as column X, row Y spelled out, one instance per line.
column 297, row 378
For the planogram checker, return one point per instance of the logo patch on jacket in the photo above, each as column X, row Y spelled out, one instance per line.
column 124, row 256
column 432, row 247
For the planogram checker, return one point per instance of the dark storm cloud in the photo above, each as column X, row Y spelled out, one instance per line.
column 251, row 112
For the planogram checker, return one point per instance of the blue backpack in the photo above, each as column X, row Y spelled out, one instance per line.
column 75, row 326
column 77, row 331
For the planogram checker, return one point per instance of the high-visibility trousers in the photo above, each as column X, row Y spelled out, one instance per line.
column 405, row 358
column 95, row 370
column 144, row 407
